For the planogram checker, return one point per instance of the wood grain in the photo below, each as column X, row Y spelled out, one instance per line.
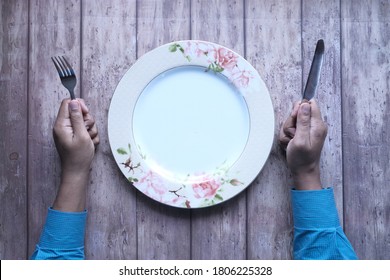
column 54, row 30
column 108, row 50
column 13, row 129
column 219, row 232
column 273, row 43
column 366, row 126
column 102, row 39
column 163, row 231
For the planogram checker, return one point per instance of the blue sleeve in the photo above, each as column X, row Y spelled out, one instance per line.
column 62, row 237
column 317, row 231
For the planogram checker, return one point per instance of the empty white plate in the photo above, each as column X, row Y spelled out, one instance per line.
column 191, row 124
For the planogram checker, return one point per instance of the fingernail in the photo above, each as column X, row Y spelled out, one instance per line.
column 306, row 109
column 74, row 105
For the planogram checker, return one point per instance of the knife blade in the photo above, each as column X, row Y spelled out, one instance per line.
column 315, row 71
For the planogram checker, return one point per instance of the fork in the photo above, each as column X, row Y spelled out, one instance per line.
column 66, row 73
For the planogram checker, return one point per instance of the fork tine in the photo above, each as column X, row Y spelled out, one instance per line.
column 58, row 66
column 70, row 69
column 64, row 67
column 66, row 73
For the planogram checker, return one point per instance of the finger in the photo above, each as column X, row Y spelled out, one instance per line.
column 302, row 135
column 315, row 111
column 294, row 111
column 293, row 116
column 83, row 106
column 76, row 117
column 288, row 130
column 284, row 141
column 291, row 120
column 96, row 140
column 63, row 111
column 89, row 121
column 63, row 119
column 93, row 132
column 319, row 128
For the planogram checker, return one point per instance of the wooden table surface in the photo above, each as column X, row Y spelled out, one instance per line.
column 102, row 39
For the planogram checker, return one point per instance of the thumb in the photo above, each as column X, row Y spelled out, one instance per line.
column 76, row 117
column 303, row 123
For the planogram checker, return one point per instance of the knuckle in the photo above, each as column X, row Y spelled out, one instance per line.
column 92, row 134
column 290, row 131
column 90, row 120
column 299, row 144
column 96, row 140
column 93, row 130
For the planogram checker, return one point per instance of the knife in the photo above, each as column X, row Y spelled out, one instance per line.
column 315, row 70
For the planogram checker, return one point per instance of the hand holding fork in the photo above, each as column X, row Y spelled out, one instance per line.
column 77, row 112
column 76, row 136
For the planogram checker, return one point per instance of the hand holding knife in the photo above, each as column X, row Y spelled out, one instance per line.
column 303, row 133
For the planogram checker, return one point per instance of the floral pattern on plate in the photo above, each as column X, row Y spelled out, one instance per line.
column 206, row 189
column 218, row 59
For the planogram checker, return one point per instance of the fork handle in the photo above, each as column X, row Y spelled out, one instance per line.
column 72, row 95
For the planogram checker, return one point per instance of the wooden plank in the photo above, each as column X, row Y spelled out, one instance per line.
column 366, row 126
column 273, row 46
column 321, row 20
column 13, row 127
column 108, row 50
column 163, row 232
column 54, row 30
column 219, row 232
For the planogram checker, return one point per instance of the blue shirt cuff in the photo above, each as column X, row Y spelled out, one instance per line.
column 314, row 209
column 63, row 230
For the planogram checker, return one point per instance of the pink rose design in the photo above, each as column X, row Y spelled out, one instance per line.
column 175, row 200
column 206, row 189
column 152, row 186
column 241, row 78
column 226, row 59
column 195, row 49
